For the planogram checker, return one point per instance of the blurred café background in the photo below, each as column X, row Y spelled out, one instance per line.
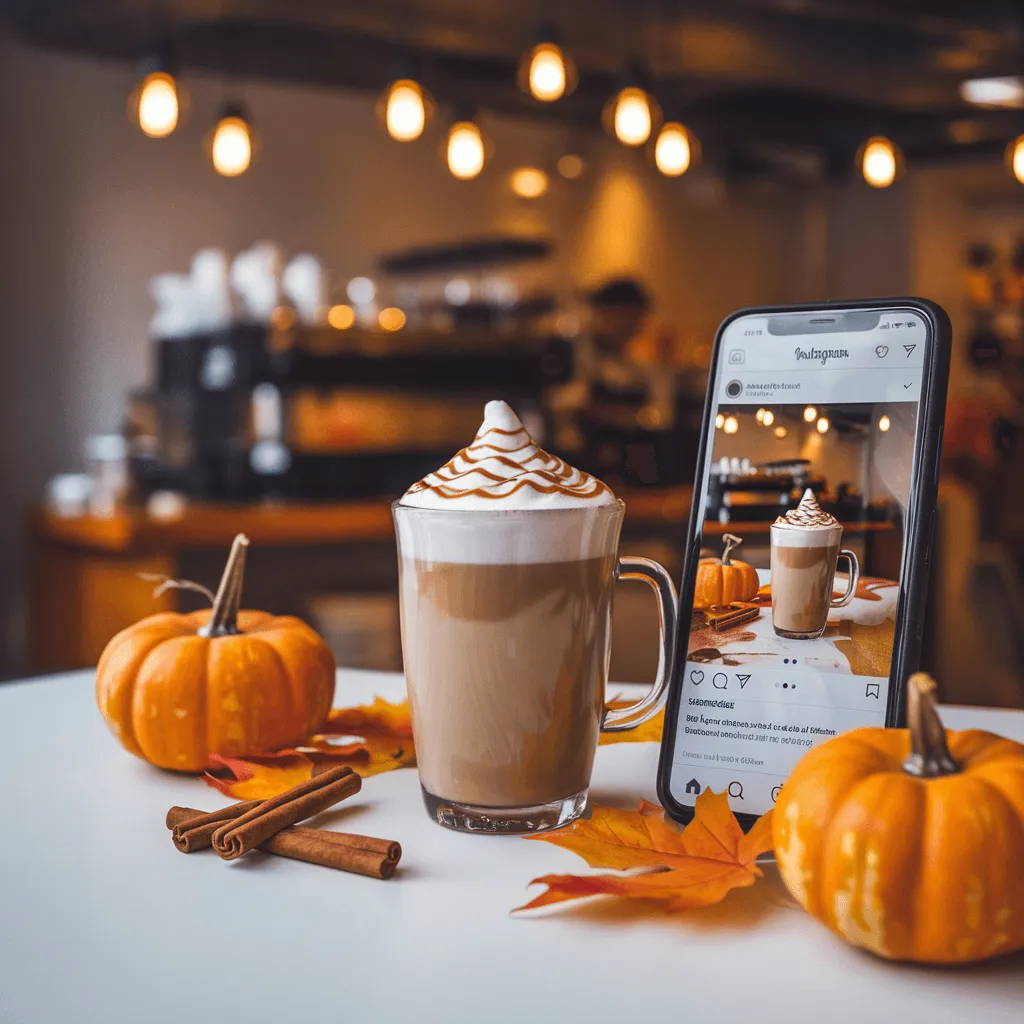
column 263, row 262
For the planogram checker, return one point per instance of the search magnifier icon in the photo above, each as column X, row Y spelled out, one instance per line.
column 736, row 790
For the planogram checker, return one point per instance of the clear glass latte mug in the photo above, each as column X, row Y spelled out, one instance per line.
column 506, row 637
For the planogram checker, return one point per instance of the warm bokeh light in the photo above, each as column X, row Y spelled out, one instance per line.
column 632, row 119
column 884, row 423
column 391, row 318
column 879, row 162
column 158, row 105
column 232, row 146
column 406, row 112
column 720, row 420
column 465, row 150
column 810, row 414
column 341, row 317
column 759, row 415
column 529, row 182
column 361, row 290
column 283, row 317
column 781, row 431
column 731, row 425
column 769, row 418
column 547, row 75
column 571, row 166
column 1015, row 158
column 823, row 424
column 672, row 150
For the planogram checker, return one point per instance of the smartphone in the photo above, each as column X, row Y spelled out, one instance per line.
column 807, row 551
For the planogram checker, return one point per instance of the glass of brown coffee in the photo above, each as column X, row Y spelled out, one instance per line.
column 507, row 562
column 805, row 552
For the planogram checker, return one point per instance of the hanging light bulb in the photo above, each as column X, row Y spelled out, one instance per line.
column 810, row 414
column 720, row 420
column 823, row 424
column 547, row 74
column 155, row 103
column 672, row 151
column 769, row 418
column 232, row 143
column 879, row 162
column 405, row 110
column 1015, row 158
column 884, row 423
column 465, row 150
column 632, row 118
column 731, row 425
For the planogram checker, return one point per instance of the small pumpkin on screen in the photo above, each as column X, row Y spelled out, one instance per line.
column 909, row 842
column 175, row 689
column 720, row 581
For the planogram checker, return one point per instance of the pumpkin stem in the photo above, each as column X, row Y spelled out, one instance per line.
column 224, row 617
column 929, row 755
column 731, row 541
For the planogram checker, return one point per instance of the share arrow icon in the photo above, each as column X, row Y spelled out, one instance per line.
column 743, row 680
column 908, row 349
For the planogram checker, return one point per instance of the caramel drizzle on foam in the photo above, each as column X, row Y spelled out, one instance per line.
column 553, row 476
column 807, row 513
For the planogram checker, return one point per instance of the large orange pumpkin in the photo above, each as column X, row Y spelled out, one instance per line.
column 724, row 580
column 909, row 842
column 175, row 689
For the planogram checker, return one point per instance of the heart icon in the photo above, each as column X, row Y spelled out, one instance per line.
column 696, row 677
column 882, row 351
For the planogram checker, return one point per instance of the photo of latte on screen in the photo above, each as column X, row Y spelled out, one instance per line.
column 803, row 536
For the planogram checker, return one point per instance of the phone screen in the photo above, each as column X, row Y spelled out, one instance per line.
column 803, row 504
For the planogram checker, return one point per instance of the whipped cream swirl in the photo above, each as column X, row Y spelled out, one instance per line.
column 503, row 469
column 808, row 514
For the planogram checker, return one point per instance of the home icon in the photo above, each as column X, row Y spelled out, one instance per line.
column 693, row 786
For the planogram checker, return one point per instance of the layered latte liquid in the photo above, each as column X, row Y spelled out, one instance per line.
column 506, row 666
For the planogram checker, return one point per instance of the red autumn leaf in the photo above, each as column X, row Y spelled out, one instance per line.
column 694, row 867
column 381, row 740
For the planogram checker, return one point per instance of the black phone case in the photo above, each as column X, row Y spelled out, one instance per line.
column 920, row 526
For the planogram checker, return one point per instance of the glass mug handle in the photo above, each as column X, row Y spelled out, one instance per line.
column 854, row 577
column 632, row 567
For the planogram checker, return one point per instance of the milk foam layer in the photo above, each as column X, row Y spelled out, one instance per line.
column 806, row 526
column 503, row 469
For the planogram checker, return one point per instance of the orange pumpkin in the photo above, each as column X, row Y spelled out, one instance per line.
column 909, row 842
column 723, row 580
column 175, row 689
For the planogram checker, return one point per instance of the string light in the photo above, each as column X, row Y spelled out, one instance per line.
column 341, row 317
column 823, row 425
column 232, row 145
column 769, row 418
column 884, row 423
column 720, row 420
column 391, row 319
column 781, row 431
column 759, row 415
column 405, row 113
column 546, row 73
column 731, row 425
column 810, row 414
column 632, row 118
column 672, row 151
column 529, row 182
column 1015, row 158
column 156, row 104
column 465, row 150
column 879, row 162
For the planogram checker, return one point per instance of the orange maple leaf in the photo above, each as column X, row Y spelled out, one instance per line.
column 381, row 740
column 692, row 868
column 649, row 732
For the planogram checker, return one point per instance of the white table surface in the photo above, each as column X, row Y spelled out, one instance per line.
column 102, row 920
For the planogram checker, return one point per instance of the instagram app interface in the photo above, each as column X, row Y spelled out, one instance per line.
column 804, row 502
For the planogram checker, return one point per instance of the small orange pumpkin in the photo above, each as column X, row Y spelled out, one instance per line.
column 723, row 580
column 175, row 689
column 909, row 842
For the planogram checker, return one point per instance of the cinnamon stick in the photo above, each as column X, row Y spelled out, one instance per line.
column 235, row 838
column 362, row 855
column 194, row 830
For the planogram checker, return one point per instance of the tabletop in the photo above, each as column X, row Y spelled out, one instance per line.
column 104, row 921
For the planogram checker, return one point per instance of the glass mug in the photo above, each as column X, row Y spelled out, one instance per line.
column 506, row 639
column 803, row 570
